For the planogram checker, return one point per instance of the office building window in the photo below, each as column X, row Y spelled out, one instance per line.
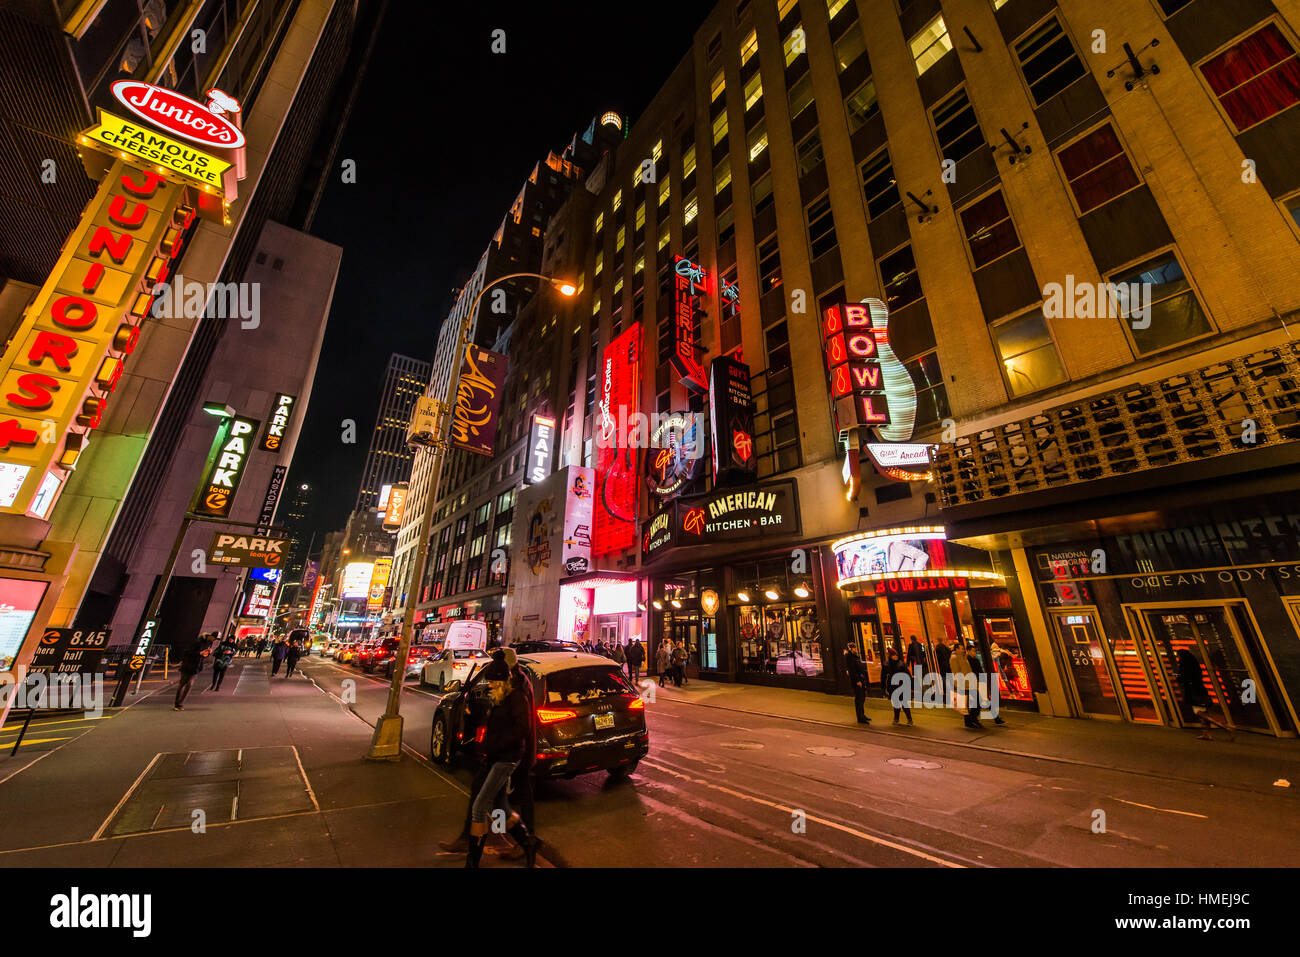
column 929, row 46
column 1158, row 304
column 849, row 47
column 795, row 44
column 1048, row 61
column 761, row 191
column 717, row 87
column 801, row 95
column 1256, row 78
column 821, row 226
column 753, row 91
column 956, row 127
column 809, row 153
column 749, row 47
column 931, row 393
column 688, row 162
column 862, row 105
column 1096, row 168
column 757, row 140
column 899, row 278
column 1167, row 7
column 878, row 184
column 769, row 264
column 719, row 127
column 722, row 175
column 690, row 210
column 1029, row 358
column 990, row 233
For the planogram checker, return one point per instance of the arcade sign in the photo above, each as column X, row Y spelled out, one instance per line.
column 66, row 357
column 690, row 286
column 904, row 461
column 278, row 422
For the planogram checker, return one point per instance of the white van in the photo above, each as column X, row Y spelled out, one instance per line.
column 456, row 635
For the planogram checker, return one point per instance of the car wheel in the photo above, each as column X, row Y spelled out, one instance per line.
column 438, row 743
column 621, row 772
column 442, row 680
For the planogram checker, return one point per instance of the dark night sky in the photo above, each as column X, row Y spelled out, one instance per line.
column 443, row 133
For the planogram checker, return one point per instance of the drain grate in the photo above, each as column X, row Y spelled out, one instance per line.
column 743, row 745
column 829, row 752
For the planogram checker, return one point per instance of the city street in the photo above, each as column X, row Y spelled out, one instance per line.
column 720, row 787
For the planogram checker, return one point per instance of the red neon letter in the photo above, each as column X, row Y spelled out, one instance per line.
column 152, row 183
column 117, row 212
column 11, row 433
column 833, row 322
column 58, row 347
column 117, row 246
column 36, row 391
column 84, row 320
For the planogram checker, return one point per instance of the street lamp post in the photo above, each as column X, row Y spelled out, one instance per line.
column 386, row 745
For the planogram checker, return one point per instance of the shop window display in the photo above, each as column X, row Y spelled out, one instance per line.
column 781, row 639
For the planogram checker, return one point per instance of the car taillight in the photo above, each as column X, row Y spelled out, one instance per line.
column 636, row 704
column 552, row 715
column 411, row 660
column 478, row 735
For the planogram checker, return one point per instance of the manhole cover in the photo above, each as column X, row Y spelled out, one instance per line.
column 831, row 752
column 743, row 745
column 915, row 763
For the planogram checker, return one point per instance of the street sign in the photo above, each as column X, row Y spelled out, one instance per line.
column 67, row 651
column 128, row 670
column 248, row 551
column 220, row 483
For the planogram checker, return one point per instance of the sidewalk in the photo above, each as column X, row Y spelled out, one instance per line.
column 1252, row 762
column 274, row 772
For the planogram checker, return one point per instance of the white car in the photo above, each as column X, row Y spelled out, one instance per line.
column 453, row 663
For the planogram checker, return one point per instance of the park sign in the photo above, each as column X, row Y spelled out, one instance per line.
column 249, row 551
column 69, row 651
column 220, row 482
column 278, row 422
column 69, row 352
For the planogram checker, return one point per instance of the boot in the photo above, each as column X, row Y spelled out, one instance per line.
column 527, row 841
column 475, row 852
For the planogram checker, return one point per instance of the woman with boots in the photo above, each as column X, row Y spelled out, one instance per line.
column 505, row 738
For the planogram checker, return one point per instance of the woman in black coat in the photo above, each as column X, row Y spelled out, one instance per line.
column 1192, row 682
column 898, row 696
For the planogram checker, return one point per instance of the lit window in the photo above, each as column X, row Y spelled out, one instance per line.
column 619, row 240
column 795, row 44
column 722, row 175
column 999, row 4
column 688, row 162
column 658, row 151
column 618, row 200
column 749, row 47
column 640, row 215
column 600, row 221
column 640, row 265
column 595, row 306
column 717, row 87
column 1172, row 312
column 618, row 285
column 1029, row 358
column 1256, row 78
column 833, row 7
column 600, row 261
column 691, row 210
column 663, row 235
column 719, row 127
column 930, row 45
column 753, row 91
column 664, row 190
column 757, row 140
column 783, row 7
column 849, row 47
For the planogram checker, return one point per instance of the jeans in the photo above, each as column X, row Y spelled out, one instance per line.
column 493, row 792
column 183, row 688
column 275, row 665
column 218, row 675
column 633, row 673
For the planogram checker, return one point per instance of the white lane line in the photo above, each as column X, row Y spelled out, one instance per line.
column 129, row 791
column 812, row 817
column 1166, row 810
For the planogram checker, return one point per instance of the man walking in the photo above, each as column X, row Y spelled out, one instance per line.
column 965, row 689
column 220, row 662
column 191, row 665
column 291, row 657
column 663, row 655
column 858, row 680
column 278, row 654
column 635, row 659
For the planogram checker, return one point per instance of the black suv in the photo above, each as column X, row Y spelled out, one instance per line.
column 587, row 716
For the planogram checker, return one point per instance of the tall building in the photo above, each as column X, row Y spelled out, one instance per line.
column 519, row 246
column 388, row 460
column 90, row 535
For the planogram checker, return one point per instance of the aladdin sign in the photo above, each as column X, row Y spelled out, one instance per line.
column 478, row 401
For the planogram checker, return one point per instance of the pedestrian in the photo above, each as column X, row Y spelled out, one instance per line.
column 505, row 737
column 221, row 661
column 679, row 664
column 291, row 656
column 191, row 665
column 521, row 781
column 1192, row 681
column 261, row 646
column 635, row 658
column 966, row 692
column 897, row 691
column 857, row 673
column 663, row 655
column 278, row 654
column 942, row 653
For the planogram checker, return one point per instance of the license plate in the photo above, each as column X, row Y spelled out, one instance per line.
column 604, row 721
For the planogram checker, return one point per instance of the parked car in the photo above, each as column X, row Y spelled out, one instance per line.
column 452, row 664
column 347, row 651
column 416, row 658
column 332, row 648
column 587, row 716
column 540, row 645
column 364, row 650
column 382, row 654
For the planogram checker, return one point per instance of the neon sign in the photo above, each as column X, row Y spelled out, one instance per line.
column 690, row 286
column 617, row 476
column 279, row 420
column 68, row 354
column 178, row 114
column 221, row 481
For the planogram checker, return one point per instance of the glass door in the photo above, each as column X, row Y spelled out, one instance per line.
column 1085, row 656
column 1211, row 636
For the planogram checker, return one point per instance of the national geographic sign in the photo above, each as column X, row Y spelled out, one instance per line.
column 221, row 480
column 249, row 551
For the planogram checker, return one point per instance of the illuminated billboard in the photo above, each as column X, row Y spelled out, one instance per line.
column 920, row 551
column 356, row 579
column 690, row 285
column 617, row 475
column 477, row 405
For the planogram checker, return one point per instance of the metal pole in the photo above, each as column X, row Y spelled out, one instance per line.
column 386, row 744
column 23, row 731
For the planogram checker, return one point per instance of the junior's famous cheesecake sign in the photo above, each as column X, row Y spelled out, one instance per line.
column 174, row 113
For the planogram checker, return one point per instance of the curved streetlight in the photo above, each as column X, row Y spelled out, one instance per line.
column 386, row 744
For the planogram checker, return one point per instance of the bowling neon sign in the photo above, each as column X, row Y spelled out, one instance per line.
column 870, row 386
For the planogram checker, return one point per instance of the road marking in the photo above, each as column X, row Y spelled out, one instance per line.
column 112, row 814
column 303, row 771
column 820, row 820
column 35, row 741
column 1166, row 810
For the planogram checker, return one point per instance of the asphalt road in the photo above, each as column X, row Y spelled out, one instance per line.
column 723, row 788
